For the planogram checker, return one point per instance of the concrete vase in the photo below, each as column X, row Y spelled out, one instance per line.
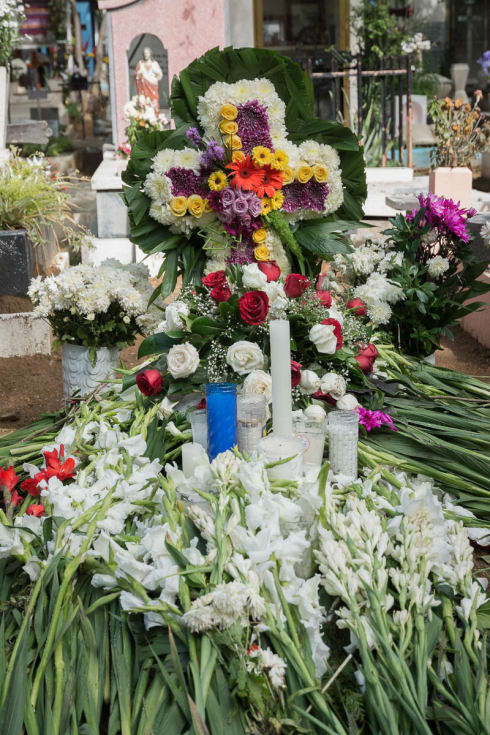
column 79, row 375
column 452, row 183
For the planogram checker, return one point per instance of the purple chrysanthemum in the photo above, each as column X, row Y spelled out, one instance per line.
column 253, row 126
column 193, row 136
column 184, row 182
column 374, row 419
column 444, row 215
column 241, row 255
column 215, row 200
column 311, row 195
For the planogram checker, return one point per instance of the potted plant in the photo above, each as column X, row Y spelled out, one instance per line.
column 34, row 206
column 11, row 17
column 94, row 311
column 460, row 133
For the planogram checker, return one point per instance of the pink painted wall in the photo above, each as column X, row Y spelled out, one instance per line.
column 187, row 29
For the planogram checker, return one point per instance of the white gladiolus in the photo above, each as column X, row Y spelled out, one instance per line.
column 182, row 360
column 244, row 356
column 324, row 339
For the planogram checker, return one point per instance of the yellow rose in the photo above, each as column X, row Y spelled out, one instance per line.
column 304, row 173
column 262, row 253
column 217, row 180
column 238, row 156
column 259, row 236
column 277, row 200
column 280, row 160
column 196, row 205
column 178, row 206
column 236, row 142
column 320, row 172
column 229, row 112
column 228, row 127
column 207, row 206
column 266, row 205
column 261, row 155
column 287, row 176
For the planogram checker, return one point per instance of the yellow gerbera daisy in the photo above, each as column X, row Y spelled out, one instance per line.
column 217, row 180
column 266, row 205
column 280, row 160
column 277, row 200
column 261, row 155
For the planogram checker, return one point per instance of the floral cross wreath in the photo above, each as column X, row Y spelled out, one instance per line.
column 249, row 175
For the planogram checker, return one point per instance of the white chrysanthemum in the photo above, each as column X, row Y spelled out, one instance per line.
column 277, row 252
column 158, row 187
column 379, row 313
column 485, row 231
column 437, row 266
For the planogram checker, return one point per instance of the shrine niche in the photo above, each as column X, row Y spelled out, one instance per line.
column 148, row 70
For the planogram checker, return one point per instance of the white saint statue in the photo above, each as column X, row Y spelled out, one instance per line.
column 147, row 74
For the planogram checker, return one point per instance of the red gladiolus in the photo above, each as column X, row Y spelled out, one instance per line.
column 31, row 484
column 357, row 306
column 35, row 510
column 295, row 373
column 202, row 404
column 217, row 278
column 295, row 285
column 325, row 298
column 149, row 382
column 270, row 269
column 366, row 357
column 253, row 307
column 8, row 478
column 221, row 293
column 16, row 499
column 337, row 330
column 58, row 466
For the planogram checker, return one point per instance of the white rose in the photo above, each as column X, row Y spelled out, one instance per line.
column 243, row 357
column 310, row 382
column 323, row 338
column 347, row 403
column 258, row 383
column 334, row 313
column 333, row 384
column 182, row 360
column 315, row 413
column 173, row 316
column 278, row 301
column 253, row 276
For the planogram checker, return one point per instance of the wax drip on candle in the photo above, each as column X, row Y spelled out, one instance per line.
column 282, row 405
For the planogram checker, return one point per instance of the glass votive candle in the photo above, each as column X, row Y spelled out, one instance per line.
column 250, row 422
column 313, row 432
column 199, row 426
column 275, row 448
column 221, row 417
column 306, row 522
column 343, row 433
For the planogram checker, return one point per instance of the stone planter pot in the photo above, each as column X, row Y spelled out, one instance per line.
column 459, row 75
column 452, row 183
column 4, row 98
column 17, row 262
column 485, row 164
column 79, row 375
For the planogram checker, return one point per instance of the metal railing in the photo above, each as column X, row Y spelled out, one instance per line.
column 341, row 84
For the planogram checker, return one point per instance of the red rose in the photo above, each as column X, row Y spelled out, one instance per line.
column 325, row 298
column 253, row 306
column 366, row 357
column 214, row 279
column 149, row 382
column 326, row 397
column 357, row 306
column 221, row 293
column 8, row 478
column 295, row 285
column 295, row 373
column 35, row 510
column 337, row 330
column 271, row 270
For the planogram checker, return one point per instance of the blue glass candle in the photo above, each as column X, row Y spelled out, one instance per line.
column 221, row 411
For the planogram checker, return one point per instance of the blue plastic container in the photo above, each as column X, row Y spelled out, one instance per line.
column 221, row 412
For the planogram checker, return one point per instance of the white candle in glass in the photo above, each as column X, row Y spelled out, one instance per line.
column 193, row 455
column 282, row 418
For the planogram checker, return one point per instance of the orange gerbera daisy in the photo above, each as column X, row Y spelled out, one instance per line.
column 271, row 181
column 245, row 175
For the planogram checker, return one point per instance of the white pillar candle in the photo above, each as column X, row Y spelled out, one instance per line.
column 282, row 420
column 193, row 455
